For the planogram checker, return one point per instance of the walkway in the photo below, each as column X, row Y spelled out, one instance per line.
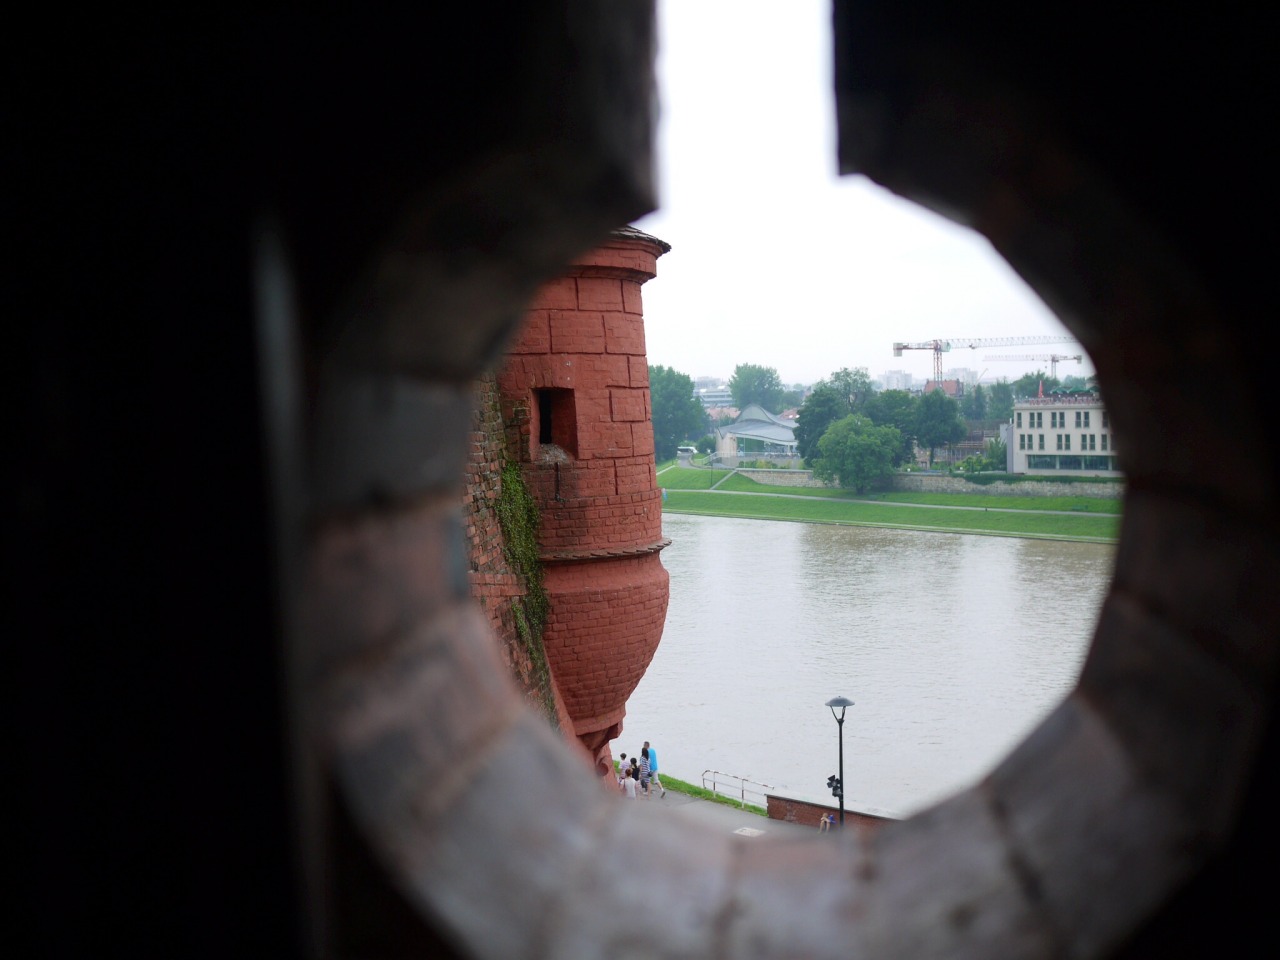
column 719, row 817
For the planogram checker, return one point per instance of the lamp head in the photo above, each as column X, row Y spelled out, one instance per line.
column 842, row 703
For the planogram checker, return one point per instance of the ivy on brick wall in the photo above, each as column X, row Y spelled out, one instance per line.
column 518, row 517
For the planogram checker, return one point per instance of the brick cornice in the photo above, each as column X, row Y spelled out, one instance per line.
column 609, row 553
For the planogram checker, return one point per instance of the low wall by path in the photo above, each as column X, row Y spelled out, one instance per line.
column 935, row 483
column 783, row 478
column 940, row 483
column 808, row 814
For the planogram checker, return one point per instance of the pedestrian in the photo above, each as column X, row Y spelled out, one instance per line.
column 645, row 771
column 628, row 785
column 653, row 768
column 635, row 768
column 623, row 768
column 825, row 823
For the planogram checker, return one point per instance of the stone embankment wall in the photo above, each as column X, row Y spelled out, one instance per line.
column 809, row 814
column 783, row 478
column 934, row 483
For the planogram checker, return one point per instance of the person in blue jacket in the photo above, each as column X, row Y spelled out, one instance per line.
column 653, row 769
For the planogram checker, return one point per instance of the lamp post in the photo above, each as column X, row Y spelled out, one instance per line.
column 837, row 783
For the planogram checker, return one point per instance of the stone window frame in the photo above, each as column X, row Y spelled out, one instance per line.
column 1063, row 849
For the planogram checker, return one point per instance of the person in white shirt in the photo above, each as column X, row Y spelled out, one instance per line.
column 629, row 785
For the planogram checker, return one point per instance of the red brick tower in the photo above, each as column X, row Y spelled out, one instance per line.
column 575, row 385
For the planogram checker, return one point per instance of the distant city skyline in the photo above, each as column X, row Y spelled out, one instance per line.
column 889, row 378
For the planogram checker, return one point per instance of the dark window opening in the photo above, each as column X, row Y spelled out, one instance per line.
column 557, row 420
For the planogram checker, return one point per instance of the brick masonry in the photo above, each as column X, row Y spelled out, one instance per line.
column 578, row 361
column 493, row 582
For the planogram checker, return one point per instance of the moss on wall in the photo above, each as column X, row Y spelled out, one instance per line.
column 518, row 518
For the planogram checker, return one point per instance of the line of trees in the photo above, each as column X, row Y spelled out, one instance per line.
column 846, row 430
column 753, row 383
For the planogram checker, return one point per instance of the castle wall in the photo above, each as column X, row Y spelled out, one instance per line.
column 495, row 585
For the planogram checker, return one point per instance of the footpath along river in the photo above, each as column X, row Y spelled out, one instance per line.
column 952, row 647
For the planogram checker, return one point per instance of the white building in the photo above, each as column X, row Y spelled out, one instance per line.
column 965, row 375
column 711, row 397
column 1061, row 434
column 898, row 380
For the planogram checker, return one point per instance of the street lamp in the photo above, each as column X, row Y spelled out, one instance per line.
column 837, row 783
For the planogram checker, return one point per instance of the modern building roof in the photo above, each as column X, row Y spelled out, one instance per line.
column 757, row 423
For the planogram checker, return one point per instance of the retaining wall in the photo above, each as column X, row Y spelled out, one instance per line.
column 940, row 483
column 808, row 814
column 783, row 478
column 935, row 483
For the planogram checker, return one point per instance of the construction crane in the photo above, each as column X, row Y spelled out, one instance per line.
column 1050, row 358
column 939, row 347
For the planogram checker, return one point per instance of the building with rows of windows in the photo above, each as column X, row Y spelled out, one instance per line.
column 1067, row 433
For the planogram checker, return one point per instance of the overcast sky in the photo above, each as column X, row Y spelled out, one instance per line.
column 777, row 261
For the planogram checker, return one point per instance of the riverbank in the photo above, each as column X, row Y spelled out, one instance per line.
column 1080, row 519
column 724, row 813
column 694, row 792
column 952, row 647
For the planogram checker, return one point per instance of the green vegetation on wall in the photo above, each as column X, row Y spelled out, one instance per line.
column 985, row 479
column 518, row 517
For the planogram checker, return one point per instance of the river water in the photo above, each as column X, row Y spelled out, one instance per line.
column 952, row 646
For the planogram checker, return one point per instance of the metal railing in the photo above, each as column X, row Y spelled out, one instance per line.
column 735, row 787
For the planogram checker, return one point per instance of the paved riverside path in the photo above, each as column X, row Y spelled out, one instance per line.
column 719, row 817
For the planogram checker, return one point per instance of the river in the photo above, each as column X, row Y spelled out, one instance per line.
column 952, row 647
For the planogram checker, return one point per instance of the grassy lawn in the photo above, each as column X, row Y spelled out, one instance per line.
column 685, row 478
column 1095, row 519
column 691, row 478
column 1013, row 523
column 1110, row 505
column 741, row 484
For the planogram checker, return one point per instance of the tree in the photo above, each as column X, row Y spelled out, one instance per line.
column 997, row 454
column 899, row 409
column 856, row 453
column 1029, row 384
column 854, row 386
column 938, row 422
column 754, row 384
column 820, row 409
column 792, row 398
column 677, row 415
column 975, row 403
column 993, row 459
column 1000, row 404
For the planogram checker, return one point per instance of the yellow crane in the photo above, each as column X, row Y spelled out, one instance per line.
column 1050, row 358
column 939, row 347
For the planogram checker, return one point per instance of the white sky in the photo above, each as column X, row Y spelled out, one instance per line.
column 777, row 261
